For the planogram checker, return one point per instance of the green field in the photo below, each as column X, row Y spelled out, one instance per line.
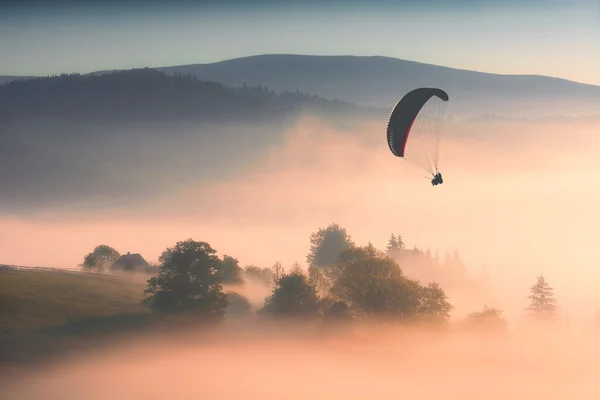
column 38, row 308
column 33, row 300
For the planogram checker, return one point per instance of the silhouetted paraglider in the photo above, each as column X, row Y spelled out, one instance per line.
column 437, row 179
column 415, row 127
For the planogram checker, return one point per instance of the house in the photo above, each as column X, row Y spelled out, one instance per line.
column 131, row 262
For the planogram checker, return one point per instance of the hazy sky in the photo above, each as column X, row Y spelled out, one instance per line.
column 549, row 37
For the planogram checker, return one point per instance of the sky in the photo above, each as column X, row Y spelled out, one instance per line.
column 547, row 37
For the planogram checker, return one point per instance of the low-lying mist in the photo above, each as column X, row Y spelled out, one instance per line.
column 245, row 360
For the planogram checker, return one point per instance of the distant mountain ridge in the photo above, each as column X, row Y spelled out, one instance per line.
column 147, row 94
column 380, row 81
column 7, row 78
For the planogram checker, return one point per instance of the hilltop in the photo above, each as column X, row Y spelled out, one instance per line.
column 381, row 81
column 148, row 94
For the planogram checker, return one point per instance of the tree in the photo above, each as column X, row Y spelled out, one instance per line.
column 232, row 272
column 338, row 312
column 543, row 306
column 401, row 245
column 260, row 275
column 327, row 244
column 188, row 282
column 103, row 256
column 297, row 269
column 293, row 296
column 392, row 244
column 277, row 271
column 489, row 319
column 395, row 244
column 434, row 303
column 89, row 261
column 373, row 285
column 238, row 305
column 317, row 278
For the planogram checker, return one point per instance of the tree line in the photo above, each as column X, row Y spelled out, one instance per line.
column 149, row 94
column 344, row 282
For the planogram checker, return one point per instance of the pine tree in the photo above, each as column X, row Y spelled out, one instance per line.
column 395, row 244
column 392, row 245
column 543, row 304
column 400, row 243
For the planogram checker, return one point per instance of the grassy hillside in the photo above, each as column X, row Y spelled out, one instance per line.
column 45, row 313
column 42, row 311
column 34, row 300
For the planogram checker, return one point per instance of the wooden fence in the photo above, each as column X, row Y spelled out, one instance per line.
column 7, row 267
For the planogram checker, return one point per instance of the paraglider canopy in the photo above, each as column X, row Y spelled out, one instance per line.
column 414, row 130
